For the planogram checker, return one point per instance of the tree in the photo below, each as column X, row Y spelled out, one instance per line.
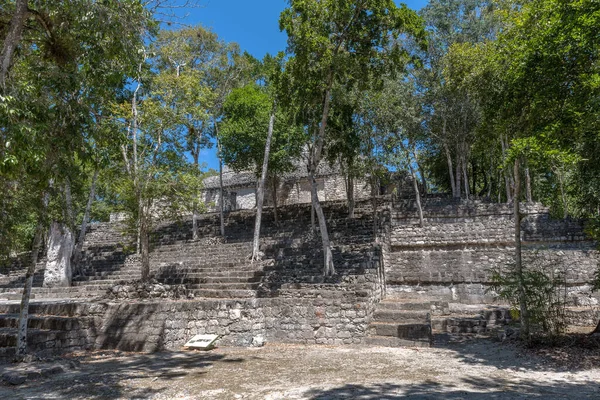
column 258, row 133
column 351, row 43
column 185, row 58
column 60, row 71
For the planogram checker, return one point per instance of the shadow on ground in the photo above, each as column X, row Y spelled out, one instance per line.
column 111, row 375
column 572, row 353
column 472, row 389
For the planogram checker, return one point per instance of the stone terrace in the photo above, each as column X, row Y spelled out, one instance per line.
column 282, row 298
column 390, row 289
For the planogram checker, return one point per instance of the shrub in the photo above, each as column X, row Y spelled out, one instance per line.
column 545, row 295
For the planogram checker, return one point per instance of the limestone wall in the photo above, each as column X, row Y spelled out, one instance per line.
column 292, row 191
column 454, row 255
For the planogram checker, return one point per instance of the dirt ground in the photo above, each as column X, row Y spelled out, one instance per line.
column 454, row 369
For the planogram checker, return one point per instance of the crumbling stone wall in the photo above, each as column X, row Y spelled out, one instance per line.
column 454, row 255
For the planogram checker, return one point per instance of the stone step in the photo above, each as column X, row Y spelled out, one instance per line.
column 50, row 322
column 126, row 277
column 224, row 286
column 466, row 324
column 196, row 280
column 44, row 339
column 393, row 304
column 235, row 273
column 222, row 294
column 62, row 308
column 101, row 283
column 389, row 315
column 388, row 341
column 406, row 330
column 14, row 296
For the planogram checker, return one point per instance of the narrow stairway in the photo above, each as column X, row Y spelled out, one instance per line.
column 401, row 322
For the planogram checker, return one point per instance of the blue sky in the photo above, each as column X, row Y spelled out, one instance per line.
column 253, row 24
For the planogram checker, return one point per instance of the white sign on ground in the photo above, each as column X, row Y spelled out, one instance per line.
column 202, row 342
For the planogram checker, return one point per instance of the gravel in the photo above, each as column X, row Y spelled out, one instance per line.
column 457, row 368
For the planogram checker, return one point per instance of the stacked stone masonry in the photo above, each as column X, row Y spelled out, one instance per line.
column 455, row 254
column 438, row 271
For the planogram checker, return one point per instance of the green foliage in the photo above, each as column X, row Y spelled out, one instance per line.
column 545, row 295
column 243, row 133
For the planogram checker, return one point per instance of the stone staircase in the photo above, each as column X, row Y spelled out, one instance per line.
column 50, row 326
column 212, row 269
column 400, row 322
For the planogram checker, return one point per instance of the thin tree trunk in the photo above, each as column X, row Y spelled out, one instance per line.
column 450, row 171
column 329, row 268
column 275, row 213
column 13, row 37
column 350, row 195
column 474, row 179
column 466, row 176
column 196, row 155
column 458, row 176
column 417, row 196
column 507, row 179
column 24, row 309
column 221, row 204
column 21, row 348
column 145, row 242
column 313, row 223
column 528, row 183
column 524, row 315
column 261, row 189
column 491, row 182
column 420, row 168
column 86, row 216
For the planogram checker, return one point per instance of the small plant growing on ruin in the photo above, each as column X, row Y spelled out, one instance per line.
column 545, row 294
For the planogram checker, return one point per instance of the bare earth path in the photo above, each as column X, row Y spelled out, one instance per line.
column 474, row 369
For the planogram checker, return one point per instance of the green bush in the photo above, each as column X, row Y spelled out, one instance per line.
column 545, row 295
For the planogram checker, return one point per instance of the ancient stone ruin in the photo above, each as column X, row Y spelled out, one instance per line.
column 395, row 283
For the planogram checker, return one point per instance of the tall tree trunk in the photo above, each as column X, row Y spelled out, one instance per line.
column 196, row 156
column 474, row 178
column 420, row 169
column 329, row 268
column 490, row 181
column 315, row 158
column 450, row 171
column 313, row 223
column 458, row 176
column 528, row 183
column 86, row 216
column 350, row 194
column 221, row 200
column 24, row 309
column 524, row 314
column 507, row 179
column 275, row 211
column 13, row 37
column 466, row 175
column 417, row 195
column 145, row 247
column 21, row 349
column 261, row 189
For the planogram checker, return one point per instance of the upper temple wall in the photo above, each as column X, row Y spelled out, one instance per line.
column 461, row 245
